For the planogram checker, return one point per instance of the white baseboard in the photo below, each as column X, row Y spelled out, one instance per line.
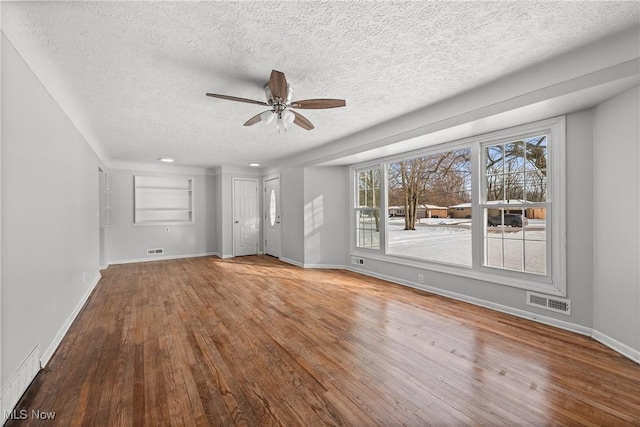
column 291, row 261
column 166, row 257
column 44, row 359
column 616, row 345
column 18, row 383
column 325, row 266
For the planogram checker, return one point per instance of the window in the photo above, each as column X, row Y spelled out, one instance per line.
column 490, row 207
column 272, row 207
column 420, row 191
column 368, row 198
column 515, row 205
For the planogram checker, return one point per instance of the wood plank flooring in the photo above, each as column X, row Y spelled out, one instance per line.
column 253, row 341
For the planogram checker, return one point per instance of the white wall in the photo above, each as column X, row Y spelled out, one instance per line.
column 217, row 213
column 225, row 221
column 292, row 220
column 50, row 257
column 314, row 224
column 579, row 193
column 326, row 232
column 617, row 232
column 129, row 242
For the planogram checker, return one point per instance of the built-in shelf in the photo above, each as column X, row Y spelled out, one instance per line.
column 163, row 200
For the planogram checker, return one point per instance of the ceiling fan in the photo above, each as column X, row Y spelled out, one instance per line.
column 279, row 94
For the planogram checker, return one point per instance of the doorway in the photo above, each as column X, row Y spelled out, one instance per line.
column 246, row 219
column 272, row 213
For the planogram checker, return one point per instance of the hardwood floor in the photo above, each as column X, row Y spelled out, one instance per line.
column 253, row 341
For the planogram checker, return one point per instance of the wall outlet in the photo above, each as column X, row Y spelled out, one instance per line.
column 420, row 278
column 166, row 229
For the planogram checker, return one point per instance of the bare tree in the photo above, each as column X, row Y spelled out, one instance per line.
column 517, row 170
column 417, row 179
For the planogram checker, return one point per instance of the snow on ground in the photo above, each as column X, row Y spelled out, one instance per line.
column 448, row 240
column 444, row 240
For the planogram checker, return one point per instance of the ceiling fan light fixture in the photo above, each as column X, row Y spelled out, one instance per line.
column 267, row 116
column 281, row 124
column 288, row 116
column 166, row 160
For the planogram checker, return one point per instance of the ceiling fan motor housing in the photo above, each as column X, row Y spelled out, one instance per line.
column 272, row 101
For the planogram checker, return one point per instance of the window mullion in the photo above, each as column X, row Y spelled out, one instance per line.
column 384, row 209
column 477, row 214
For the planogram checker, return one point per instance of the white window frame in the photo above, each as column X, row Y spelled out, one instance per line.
column 433, row 150
column 554, row 282
column 356, row 208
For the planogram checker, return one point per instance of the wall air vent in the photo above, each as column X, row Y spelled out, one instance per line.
column 155, row 251
column 559, row 305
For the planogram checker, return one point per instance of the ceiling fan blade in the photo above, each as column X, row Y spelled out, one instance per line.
column 302, row 121
column 235, row 98
column 319, row 103
column 253, row 120
column 278, row 85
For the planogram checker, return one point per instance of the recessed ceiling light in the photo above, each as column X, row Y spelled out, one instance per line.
column 166, row 160
column 255, row 165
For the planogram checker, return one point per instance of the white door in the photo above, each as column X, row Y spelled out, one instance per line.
column 272, row 213
column 246, row 218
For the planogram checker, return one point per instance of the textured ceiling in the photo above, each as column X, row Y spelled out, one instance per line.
column 132, row 76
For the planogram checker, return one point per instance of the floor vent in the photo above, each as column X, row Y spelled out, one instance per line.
column 559, row 305
column 155, row 251
column 17, row 385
